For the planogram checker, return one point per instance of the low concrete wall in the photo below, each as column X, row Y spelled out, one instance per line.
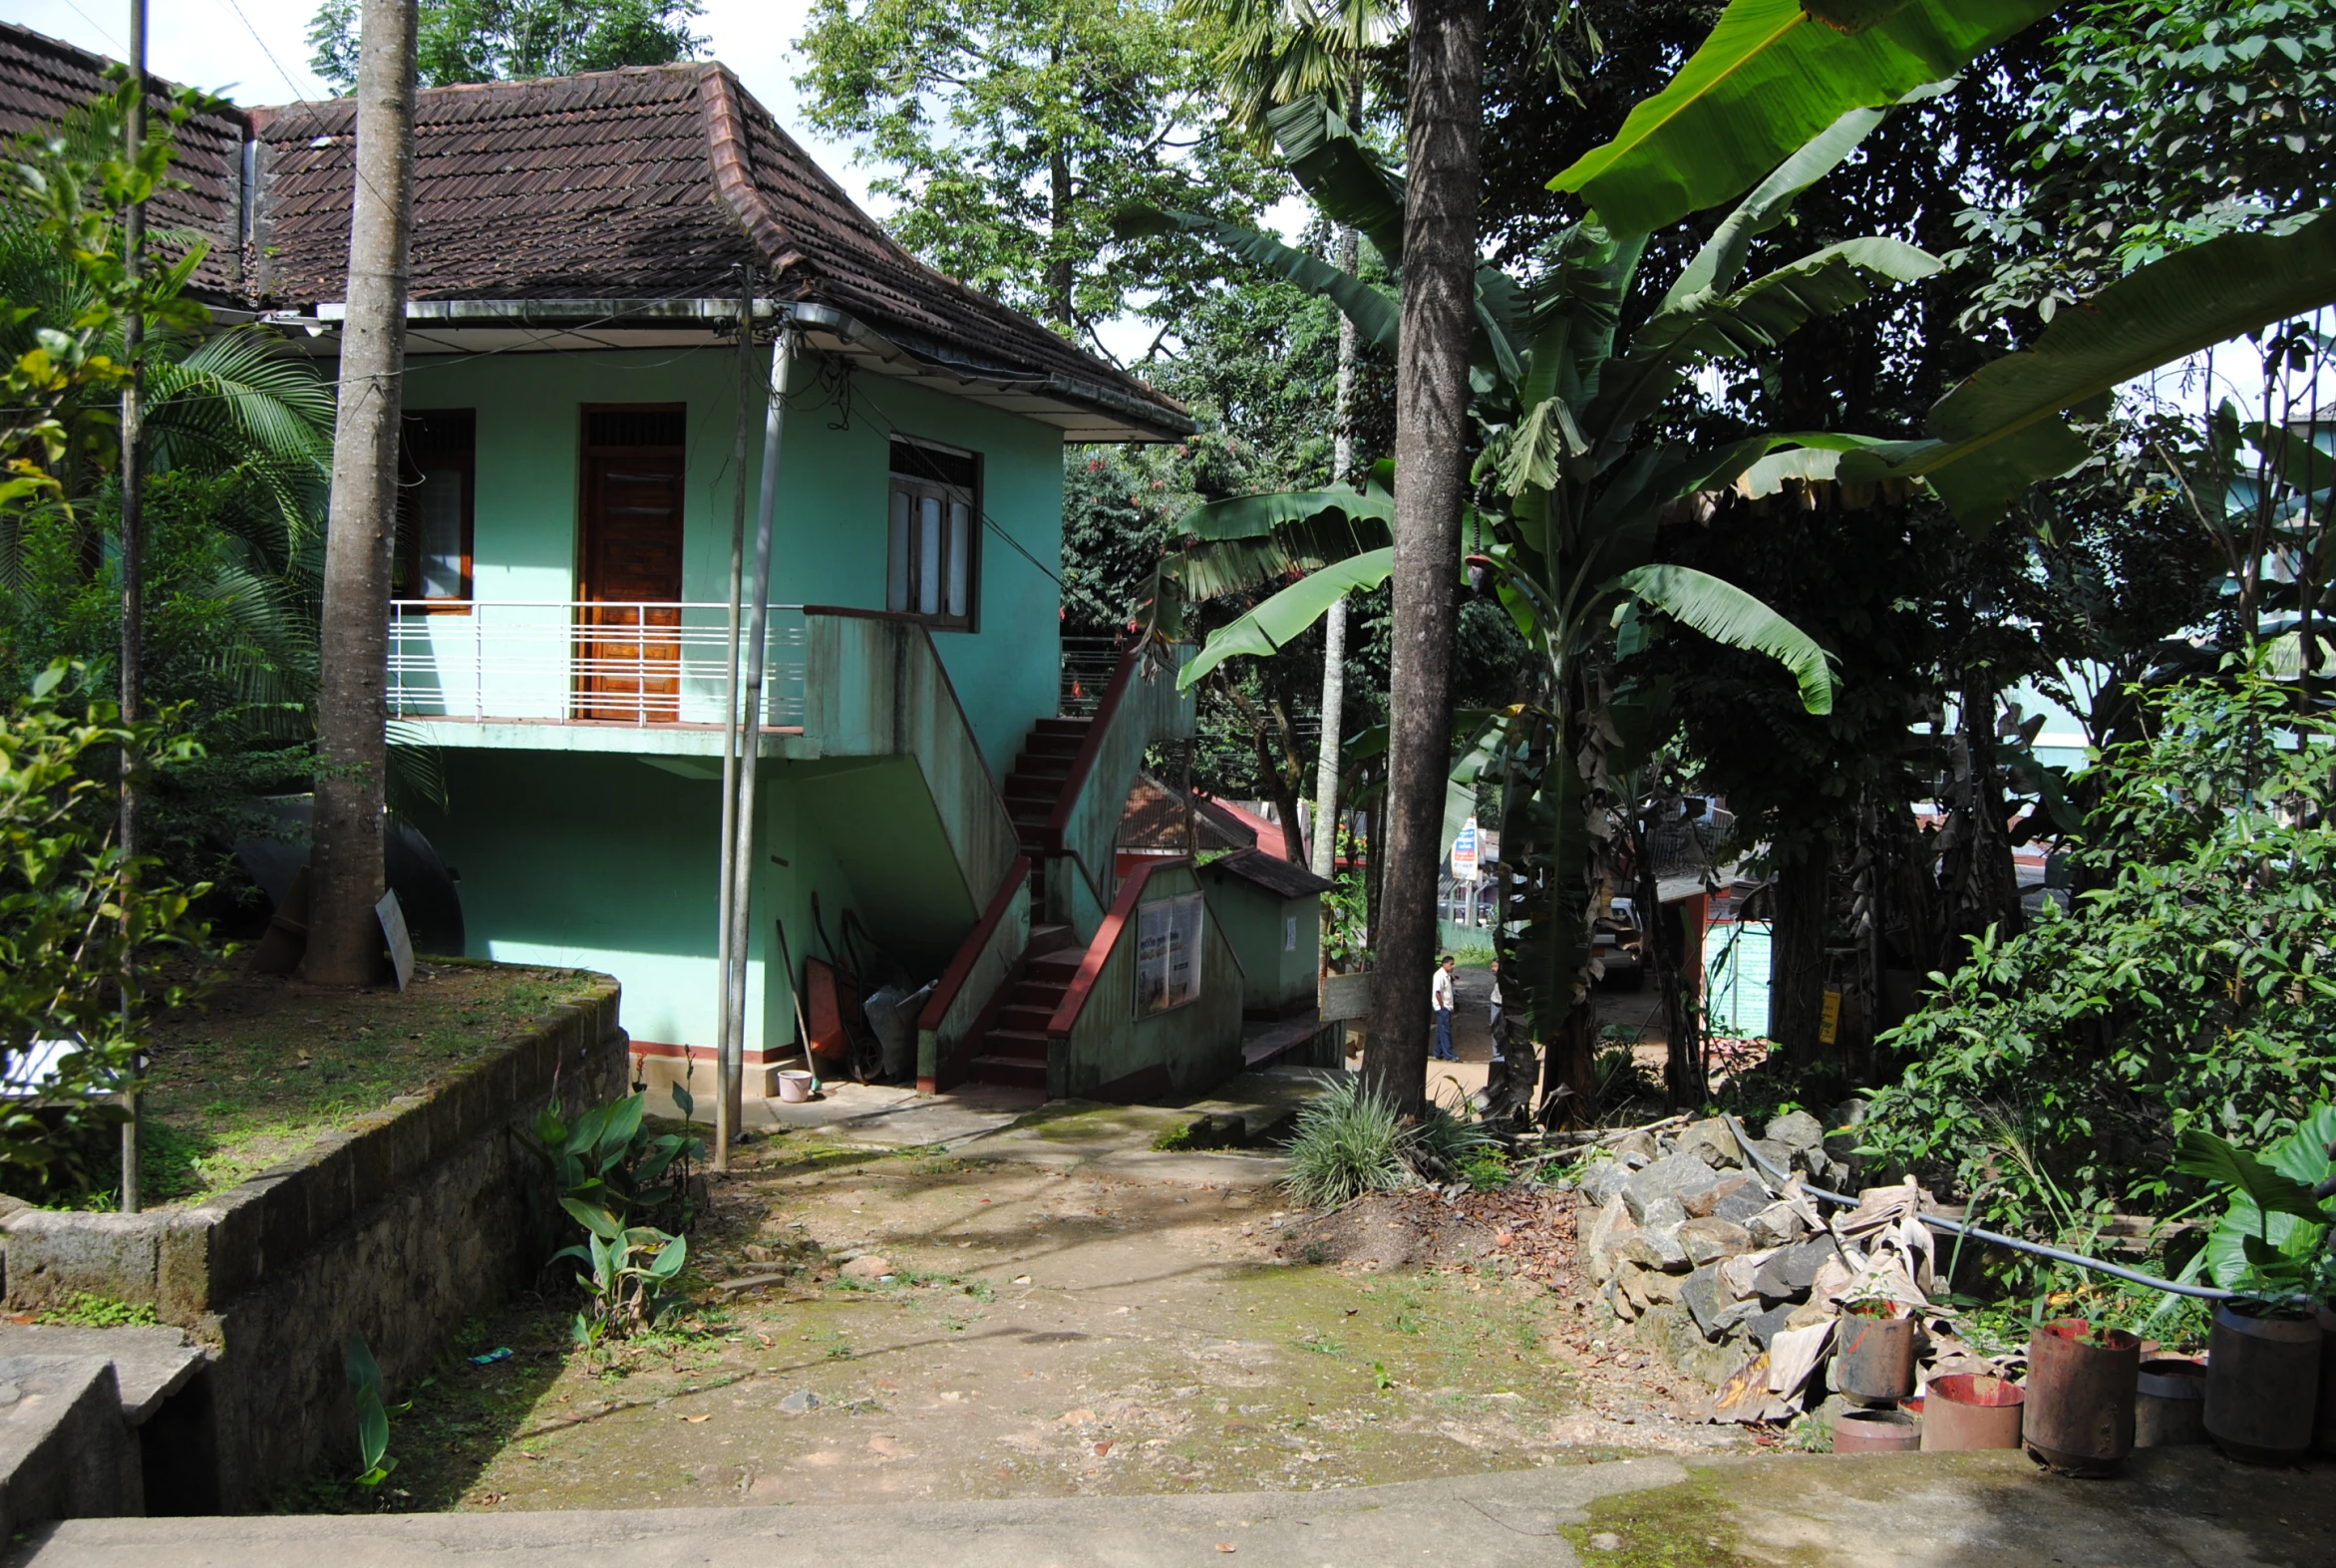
column 397, row 1228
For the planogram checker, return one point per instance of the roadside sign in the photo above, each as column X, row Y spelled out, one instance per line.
column 1464, row 852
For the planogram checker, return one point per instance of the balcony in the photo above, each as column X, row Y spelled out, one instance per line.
column 634, row 677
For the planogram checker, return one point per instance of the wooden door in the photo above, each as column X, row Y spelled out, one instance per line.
column 629, row 647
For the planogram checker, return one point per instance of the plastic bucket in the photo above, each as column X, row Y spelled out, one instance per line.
column 2170, row 1410
column 1876, row 1432
column 794, row 1085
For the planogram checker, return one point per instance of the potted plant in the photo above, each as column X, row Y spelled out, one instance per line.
column 1877, row 1359
column 2270, row 1248
column 2082, row 1382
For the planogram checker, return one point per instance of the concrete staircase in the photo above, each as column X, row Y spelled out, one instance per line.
column 1034, row 787
column 1011, row 1051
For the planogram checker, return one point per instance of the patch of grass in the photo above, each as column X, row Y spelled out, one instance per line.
column 1685, row 1526
column 1175, row 1139
column 83, row 1310
column 268, row 1064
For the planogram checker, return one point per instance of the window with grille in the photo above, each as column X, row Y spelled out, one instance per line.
column 436, row 473
column 934, row 557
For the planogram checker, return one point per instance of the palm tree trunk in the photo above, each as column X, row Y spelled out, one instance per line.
column 1797, row 994
column 344, row 938
column 1445, row 116
column 1342, row 467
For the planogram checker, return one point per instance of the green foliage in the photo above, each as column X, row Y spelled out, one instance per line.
column 2271, row 1242
column 364, row 1373
column 1773, row 74
column 85, row 1310
column 92, row 942
column 2052, row 1074
column 1347, row 1142
column 505, row 40
column 618, row 1179
column 1011, row 133
column 2162, row 124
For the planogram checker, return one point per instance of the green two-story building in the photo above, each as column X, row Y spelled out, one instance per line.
column 584, row 249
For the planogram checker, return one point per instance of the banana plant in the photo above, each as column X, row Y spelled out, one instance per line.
column 1568, row 494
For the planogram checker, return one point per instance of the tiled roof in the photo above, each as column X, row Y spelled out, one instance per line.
column 648, row 182
column 43, row 80
column 1283, row 878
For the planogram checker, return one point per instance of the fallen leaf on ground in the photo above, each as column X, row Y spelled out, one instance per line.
column 706, row 1418
column 1077, row 1418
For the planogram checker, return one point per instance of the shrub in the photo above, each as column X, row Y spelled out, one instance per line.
column 2052, row 1074
column 90, row 939
column 1347, row 1142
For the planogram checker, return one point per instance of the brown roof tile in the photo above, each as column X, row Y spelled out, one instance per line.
column 41, row 81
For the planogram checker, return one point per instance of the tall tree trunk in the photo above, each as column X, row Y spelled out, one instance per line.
column 1058, row 267
column 1445, row 118
column 1797, row 985
column 1342, row 467
column 344, row 938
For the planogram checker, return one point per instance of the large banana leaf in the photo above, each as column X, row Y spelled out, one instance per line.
column 1367, row 307
column 1771, row 75
column 1215, row 567
column 1288, row 613
column 2000, row 430
column 1727, row 614
column 1750, row 322
column 1721, row 257
column 1345, row 180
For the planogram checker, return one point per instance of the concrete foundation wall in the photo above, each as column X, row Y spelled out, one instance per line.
column 398, row 1228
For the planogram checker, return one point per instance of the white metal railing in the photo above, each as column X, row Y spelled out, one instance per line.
column 567, row 662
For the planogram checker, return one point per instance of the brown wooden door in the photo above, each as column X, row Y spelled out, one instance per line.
column 630, row 651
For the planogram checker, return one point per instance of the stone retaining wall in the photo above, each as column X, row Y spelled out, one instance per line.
column 397, row 1228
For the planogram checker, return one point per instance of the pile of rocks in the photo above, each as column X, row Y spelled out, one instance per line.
column 1693, row 1245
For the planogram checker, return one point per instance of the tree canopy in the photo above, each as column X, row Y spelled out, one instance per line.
column 506, row 40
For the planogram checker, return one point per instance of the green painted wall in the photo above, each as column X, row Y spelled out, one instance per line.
column 1277, row 980
column 1196, row 1046
column 610, row 862
column 830, row 540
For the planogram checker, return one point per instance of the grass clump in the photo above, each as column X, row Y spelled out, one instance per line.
column 1347, row 1142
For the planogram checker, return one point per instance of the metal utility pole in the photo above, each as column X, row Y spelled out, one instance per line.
column 751, row 727
column 133, row 536
column 345, row 873
column 726, row 1027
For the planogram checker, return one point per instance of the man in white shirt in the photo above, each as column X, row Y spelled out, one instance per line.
column 1440, row 997
column 1494, row 1020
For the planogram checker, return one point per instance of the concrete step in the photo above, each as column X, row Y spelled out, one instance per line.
column 1057, row 966
column 1025, row 786
column 1024, row 1017
column 1045, row 939
column 1044, row 764
column 1075, row 725
column 64, row 1450
column 1012, row 1071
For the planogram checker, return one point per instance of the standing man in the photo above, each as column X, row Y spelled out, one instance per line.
column 1440, row 997
column 1493, row 1023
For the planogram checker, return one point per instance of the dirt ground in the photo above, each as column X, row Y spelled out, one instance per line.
column 1042, row 1331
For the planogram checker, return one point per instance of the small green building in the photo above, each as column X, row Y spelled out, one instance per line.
column 580, row 250
column 1271, row 912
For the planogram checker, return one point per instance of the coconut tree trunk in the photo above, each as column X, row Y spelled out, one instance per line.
column 1342, row 467
column 1445, row 115
column 344, row 938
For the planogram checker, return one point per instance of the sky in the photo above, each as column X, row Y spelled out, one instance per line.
column 256, row 52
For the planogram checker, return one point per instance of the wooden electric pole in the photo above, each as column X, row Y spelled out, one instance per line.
column 345, row 873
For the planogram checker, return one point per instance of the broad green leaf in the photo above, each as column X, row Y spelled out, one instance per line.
column 2000, row 430
column 586, row 1130
column 1370, row 308
column 1727, row 614
column 1768, row 78
column 1288, row 613
column 372, row 1436
column 550, row 1132
column 1815, row 459
column 685, row 1102
column 602, row 1224
column 1750, row 322
column 1535, row 453
column 2201, row 1153
column 1343, row 177
column 623, row 1122
column 2303, row 1154
column 1721, row 257
column 1479, row 746
column 1257, row 516
column 670, row 1258
column 363, row 1371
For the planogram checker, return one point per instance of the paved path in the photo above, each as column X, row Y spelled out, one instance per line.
column 2175, row 1507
